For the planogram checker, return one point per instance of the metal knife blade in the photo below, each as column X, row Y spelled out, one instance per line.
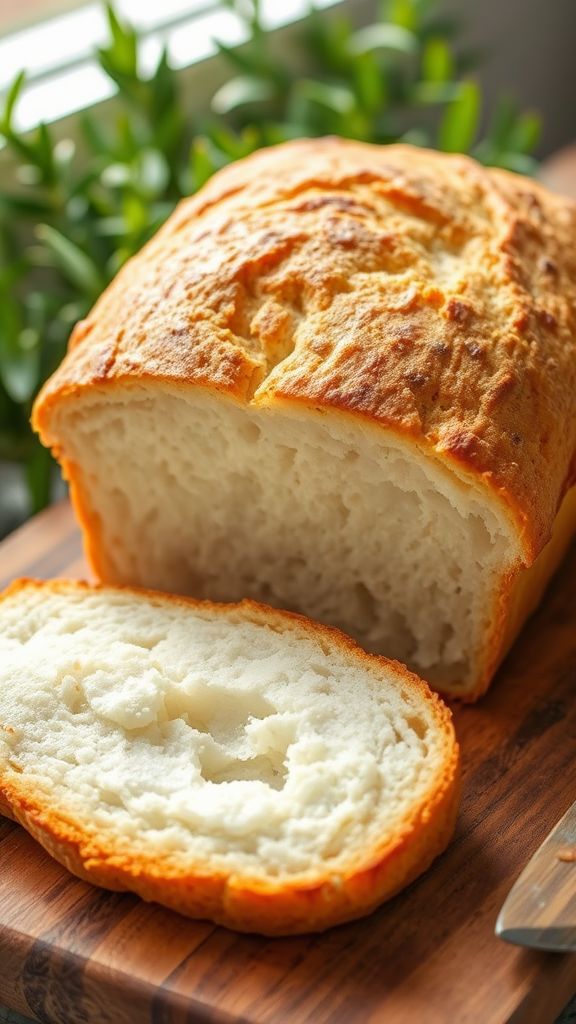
column 540, row 910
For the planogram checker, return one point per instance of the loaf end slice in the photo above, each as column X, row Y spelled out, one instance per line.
column 231, row 762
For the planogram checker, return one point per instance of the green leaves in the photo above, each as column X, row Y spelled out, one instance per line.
column 18, row 357
column 331, row 98
column 242, row 91
column 74, row 214
column 17, row 365
column 76, row 266
column 78, row 219
column 510, row 139
column 120, row 58
column 459, row 125
column 202, row 163
column 19, row 347
column 370, row 84
column 437, row 61
column 392, row 38
column 10, row 102
column 402, row 12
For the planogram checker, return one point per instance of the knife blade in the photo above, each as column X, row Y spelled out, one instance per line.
column 540, row 910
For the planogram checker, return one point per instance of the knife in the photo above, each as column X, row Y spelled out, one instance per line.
column 540, row 910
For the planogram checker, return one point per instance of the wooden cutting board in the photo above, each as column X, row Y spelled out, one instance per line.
column 70, row 953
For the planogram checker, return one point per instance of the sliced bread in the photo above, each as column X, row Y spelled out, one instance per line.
column 232, row 762
column 340, row 380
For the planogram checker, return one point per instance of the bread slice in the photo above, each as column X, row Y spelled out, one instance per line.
column 341, row 380
column 231, row 762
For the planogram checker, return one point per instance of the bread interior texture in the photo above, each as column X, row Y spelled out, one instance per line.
column 188, row 491
column 227, row 737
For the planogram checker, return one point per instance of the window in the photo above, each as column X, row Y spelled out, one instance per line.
column 62, row 76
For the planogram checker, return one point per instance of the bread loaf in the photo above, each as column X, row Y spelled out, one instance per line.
column 342, row 380
column 232, row 762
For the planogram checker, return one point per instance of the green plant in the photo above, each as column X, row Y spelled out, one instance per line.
column 80, row 209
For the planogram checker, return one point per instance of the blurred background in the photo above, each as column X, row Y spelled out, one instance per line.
column 108, row 114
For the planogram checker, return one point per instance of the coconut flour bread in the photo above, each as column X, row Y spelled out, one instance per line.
column 231, row 762
column 341, row 379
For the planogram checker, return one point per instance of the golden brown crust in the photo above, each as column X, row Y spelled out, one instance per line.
column 415, row 289
column 311, row 901
column 521, row 593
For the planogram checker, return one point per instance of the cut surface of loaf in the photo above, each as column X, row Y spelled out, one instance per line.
column 231, row 762
column 342, row 380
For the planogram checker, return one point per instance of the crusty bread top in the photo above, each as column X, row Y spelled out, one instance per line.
column 415, row 289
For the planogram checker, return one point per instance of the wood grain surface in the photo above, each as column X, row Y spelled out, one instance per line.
column 70, row 953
